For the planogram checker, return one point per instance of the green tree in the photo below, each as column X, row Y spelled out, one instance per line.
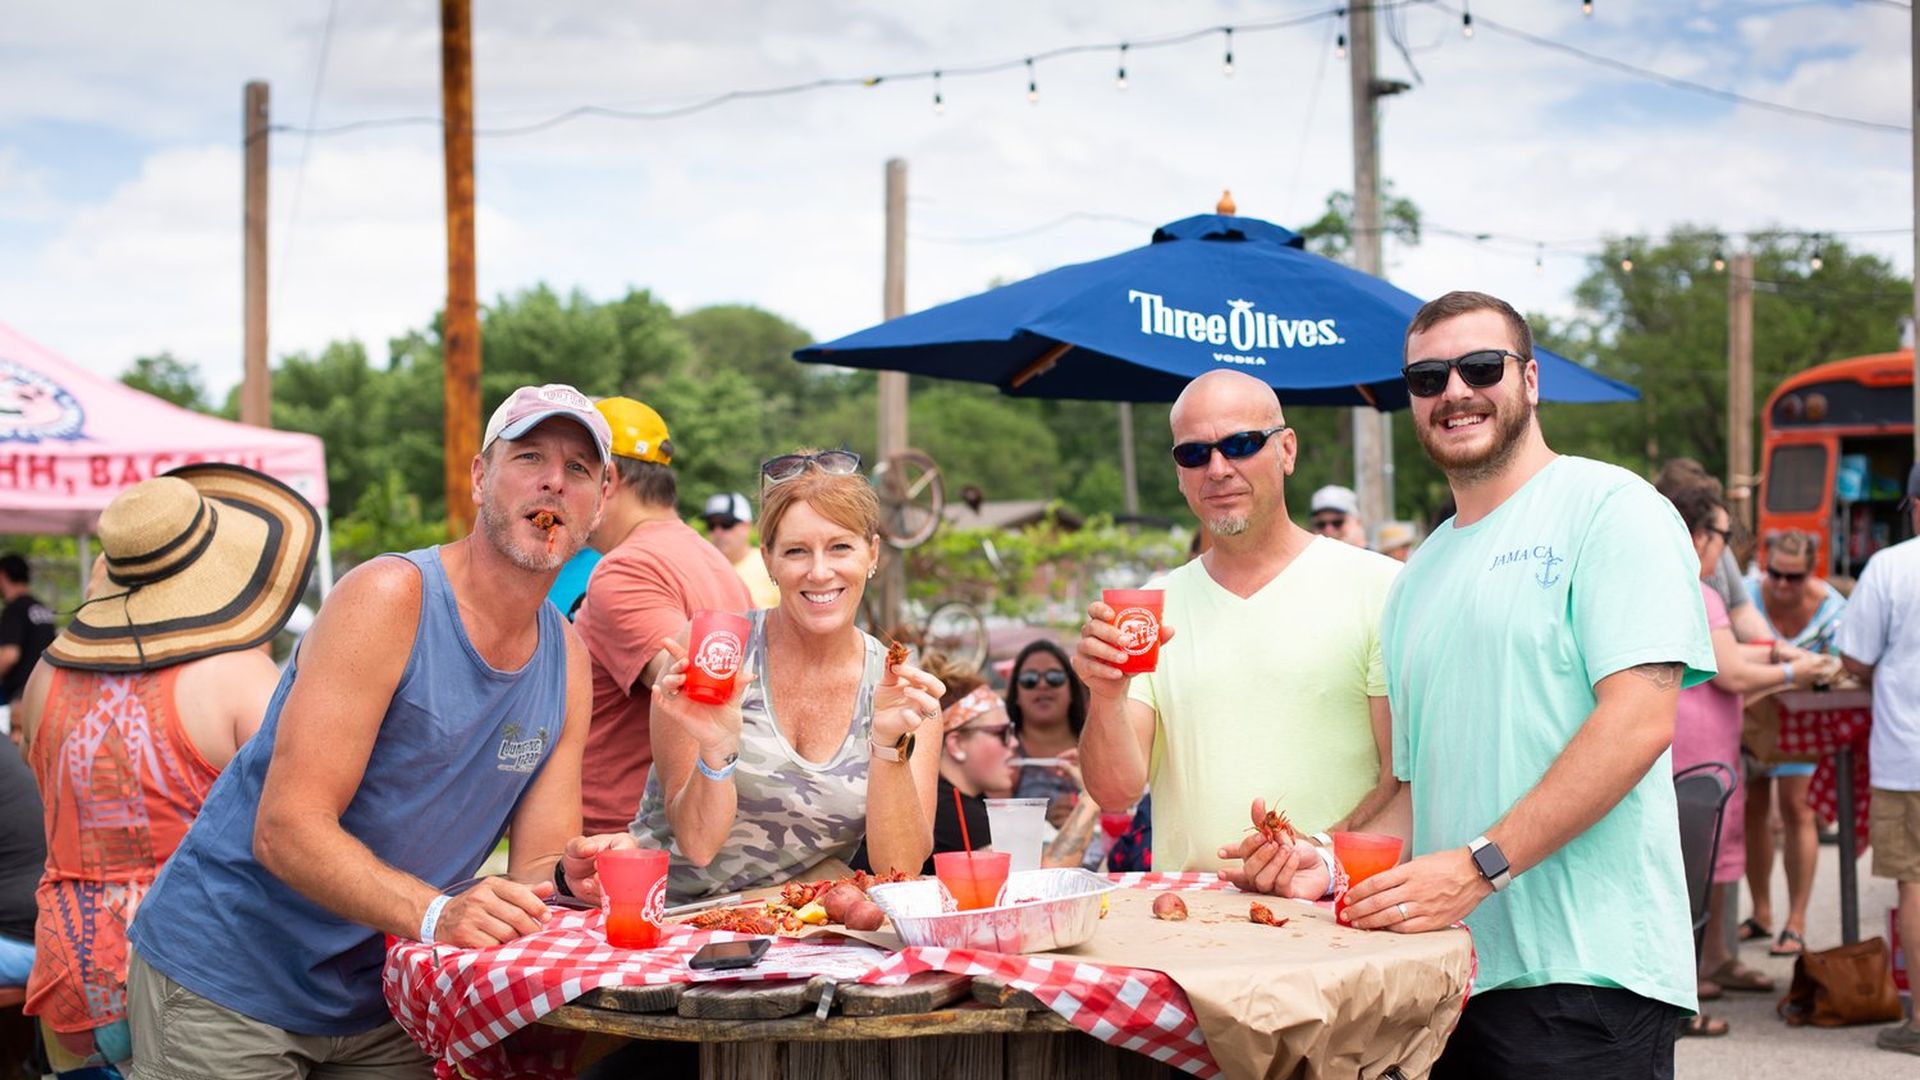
column 1331, row 234
column 1662, row 326
column 169, row 378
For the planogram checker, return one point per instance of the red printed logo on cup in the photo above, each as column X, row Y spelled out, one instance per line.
column 1139, row 630
column 719, row 655
column 654, row 908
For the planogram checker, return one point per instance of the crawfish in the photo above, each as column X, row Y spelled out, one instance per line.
column 1262, row 914
column 1276, row 827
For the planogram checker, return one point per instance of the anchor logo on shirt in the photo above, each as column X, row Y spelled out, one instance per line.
column 1548, row 577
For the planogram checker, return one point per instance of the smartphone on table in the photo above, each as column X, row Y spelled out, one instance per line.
column 728, row 955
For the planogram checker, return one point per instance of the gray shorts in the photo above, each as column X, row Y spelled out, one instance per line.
column 179, row 1035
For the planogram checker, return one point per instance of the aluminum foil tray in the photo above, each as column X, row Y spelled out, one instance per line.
column 1039, row 911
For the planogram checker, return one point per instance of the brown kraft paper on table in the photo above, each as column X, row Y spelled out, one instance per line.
column 1311, row 999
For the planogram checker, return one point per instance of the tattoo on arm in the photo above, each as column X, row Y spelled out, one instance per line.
column 1662, row 676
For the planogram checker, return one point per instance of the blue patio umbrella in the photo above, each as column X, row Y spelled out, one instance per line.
column 1210, row 292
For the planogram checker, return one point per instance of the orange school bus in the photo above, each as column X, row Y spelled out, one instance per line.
column 1837, row 441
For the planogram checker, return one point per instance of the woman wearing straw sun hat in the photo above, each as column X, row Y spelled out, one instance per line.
column 143, row 699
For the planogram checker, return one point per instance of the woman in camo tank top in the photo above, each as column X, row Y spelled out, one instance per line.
column 817, row 749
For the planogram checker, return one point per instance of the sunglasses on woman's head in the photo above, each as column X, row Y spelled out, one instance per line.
column 787, row 466
column 1240, row 444
column 1030, row 679
column 1480, row 369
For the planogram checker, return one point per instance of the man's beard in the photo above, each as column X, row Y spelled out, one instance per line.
column 1510, row 420
column 498, row 529
column 1228, row 525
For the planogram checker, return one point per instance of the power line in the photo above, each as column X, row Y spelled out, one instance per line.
column 1035, row 230
column 1679, row 83
column 715, row 101
column 300, row 171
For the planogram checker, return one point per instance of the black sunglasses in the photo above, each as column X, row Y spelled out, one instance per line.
column 1240, row 444
column 1003, row 732
column 1791, row 579
column 722, row 523
column 1481, row 369
column 1330, row 523
column 787, row 466
column 1030, row 679
column 1725, row 535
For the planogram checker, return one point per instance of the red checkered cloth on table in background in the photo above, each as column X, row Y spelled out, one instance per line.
column 459, row 1004
column 1822, row 731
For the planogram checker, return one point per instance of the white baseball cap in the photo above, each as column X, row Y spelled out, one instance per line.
column 728, row 504
column 1336, row 498
column 526, row 407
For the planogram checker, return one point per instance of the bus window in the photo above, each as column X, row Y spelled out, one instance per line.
column 1796, row 479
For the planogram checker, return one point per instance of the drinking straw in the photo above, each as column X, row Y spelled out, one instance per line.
column 961, row 809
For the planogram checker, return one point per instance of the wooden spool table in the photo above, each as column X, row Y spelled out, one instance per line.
column 935, row 1024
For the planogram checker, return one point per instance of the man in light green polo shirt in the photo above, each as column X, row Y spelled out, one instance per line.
column 1274, row 687
column 1536, row 646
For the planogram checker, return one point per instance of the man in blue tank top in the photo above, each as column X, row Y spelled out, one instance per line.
column 438, row 704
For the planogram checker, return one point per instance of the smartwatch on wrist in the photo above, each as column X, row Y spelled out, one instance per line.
column 1491, row 862
column 901, row 750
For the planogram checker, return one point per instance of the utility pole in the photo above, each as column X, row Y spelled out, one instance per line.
column 893, row 384
column 256, row 389
column 460, row 344
column 1372, row 429
column 1740, row 479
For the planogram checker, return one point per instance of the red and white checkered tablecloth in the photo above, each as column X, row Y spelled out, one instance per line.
column 1822, row 731
column 462, row 1004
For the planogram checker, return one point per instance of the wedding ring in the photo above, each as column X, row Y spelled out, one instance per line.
column 1402, row 905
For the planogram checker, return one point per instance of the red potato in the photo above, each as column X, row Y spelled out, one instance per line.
column 840, row 899
column 865, row 915
column 1170, row 907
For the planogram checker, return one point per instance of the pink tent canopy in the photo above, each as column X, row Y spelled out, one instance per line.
column 70, row 441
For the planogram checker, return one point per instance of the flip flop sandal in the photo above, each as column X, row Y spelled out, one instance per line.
column 1704, row 1027
column 1708, row 990
column 1741, row 979
column 1788, row 944
column 1753, row 931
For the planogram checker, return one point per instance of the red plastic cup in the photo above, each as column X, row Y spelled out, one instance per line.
column 1363, row 855
column 715, row 647
column 1137, row 613
column 634, row 882
column 974, row 878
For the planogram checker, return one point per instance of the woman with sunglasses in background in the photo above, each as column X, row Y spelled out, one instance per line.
column 1047, row 704
column 1804, row 611
column 1706, row 727
column 822, row 743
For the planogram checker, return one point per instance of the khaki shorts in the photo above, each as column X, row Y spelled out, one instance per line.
column 179, row 1035
column 1893, row 827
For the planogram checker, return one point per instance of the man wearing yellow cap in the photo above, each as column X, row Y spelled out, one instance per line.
column 655, row 572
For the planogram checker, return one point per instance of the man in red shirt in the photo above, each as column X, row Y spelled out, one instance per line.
column 655, row 573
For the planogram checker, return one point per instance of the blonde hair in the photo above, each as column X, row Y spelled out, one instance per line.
column 959, row 679
column 848, row 501
column 1791, row 543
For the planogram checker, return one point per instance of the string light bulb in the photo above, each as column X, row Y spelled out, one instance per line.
column 1226, row 65
column 1586, row 8
column 1120, row 80
column 1539, row 257
column 1816, row 262
column 1466, row 24
column 1626, row 264
column 1340, row 47
column 1033, row 88
column 1719, row 261
column 939, row 103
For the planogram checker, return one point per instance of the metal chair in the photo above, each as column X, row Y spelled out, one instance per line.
column 1701, row 791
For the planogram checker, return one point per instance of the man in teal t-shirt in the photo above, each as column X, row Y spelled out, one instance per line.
column 1536, row 645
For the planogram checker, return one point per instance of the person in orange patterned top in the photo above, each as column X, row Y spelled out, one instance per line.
column 134, row 711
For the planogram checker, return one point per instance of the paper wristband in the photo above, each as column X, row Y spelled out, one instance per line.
column 432, row 916
column 712, row 773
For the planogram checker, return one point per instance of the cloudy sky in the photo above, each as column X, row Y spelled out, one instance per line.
column 120, row 157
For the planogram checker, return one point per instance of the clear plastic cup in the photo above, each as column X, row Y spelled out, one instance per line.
column 634, row 882
column 715, row 647
column 1137, row 613
column 1019, row 829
